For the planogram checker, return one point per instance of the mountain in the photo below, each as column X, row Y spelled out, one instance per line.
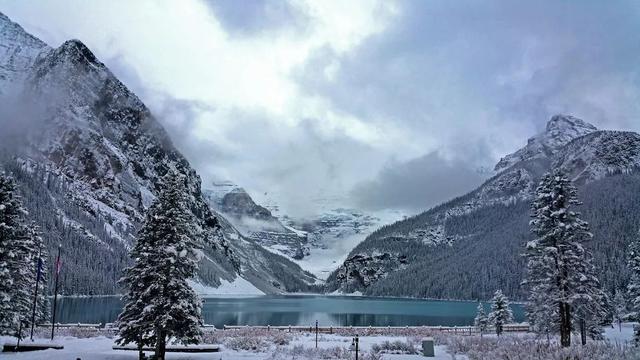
column 560, row 130
column 333, row 233
column 317, row 243
column 254, row 221
column 91, row 160
column 470, row 246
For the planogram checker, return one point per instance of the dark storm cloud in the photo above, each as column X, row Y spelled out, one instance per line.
column 518, row 61
column 452, row 86
column 466, row 73
column 418, row 184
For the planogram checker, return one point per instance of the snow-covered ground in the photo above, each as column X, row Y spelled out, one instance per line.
column 279, row 345
column 617, row 334
column 303, row 347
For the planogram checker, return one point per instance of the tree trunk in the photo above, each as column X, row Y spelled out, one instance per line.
column 565, row 324
column 583, row 332
column 160, row 344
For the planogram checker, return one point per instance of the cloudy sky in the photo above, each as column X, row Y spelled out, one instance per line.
column 372, row 104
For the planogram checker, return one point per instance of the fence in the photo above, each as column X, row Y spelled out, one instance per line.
column 463, row 330
column 331, row 329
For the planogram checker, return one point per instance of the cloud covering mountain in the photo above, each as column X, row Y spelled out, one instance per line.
column 305, row 98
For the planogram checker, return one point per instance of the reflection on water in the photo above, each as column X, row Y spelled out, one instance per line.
column 298, row 310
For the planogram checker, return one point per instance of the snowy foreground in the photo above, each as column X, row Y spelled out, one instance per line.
column 301, row 346
column 259, row 344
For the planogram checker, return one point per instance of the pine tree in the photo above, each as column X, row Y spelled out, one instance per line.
column 560, row 273
column 39, row 272
column 619, row 308
column 501, row 313
column 159, row 303
column 16, row 253
column 29, row 272
column 481, row 321
column 542, row 316
column 23, row 277
column 633, row 288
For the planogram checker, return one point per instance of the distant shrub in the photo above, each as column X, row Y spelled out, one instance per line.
column 247, row 343
column 395, row 347
column 299, row 352
column 280, row 338
column 530, row 348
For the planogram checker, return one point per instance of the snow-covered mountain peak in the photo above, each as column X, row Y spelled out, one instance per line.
column 13, row 32
column 567, row 126
column 95, row 158
column 77, row 52
column 560, row 130
column 18, row 52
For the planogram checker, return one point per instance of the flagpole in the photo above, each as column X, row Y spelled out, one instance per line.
column 35, row 294
column 55, row 294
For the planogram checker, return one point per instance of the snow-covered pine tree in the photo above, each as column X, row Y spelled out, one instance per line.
column 159, row 303
column 481, row 321
column 501, row 313
column 16, row 251
column 8, row 223
column 633, row 288
column 559, row 269
column 619, row 308
column 591, row 305
column 31, row 256
column 542, row 316
column 39, row 269
column 22, row 270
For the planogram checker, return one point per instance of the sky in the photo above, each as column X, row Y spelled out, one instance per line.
column 370, row 104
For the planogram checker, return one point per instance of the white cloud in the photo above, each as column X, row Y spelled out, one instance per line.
column 313, row 97
column 181, row 50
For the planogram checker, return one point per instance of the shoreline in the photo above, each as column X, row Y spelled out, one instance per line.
column 328, row 295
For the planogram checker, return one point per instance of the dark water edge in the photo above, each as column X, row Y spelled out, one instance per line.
column 281, row 310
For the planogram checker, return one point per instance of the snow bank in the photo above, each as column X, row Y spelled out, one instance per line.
column 237, row 287
column 273, row 347
column 620, row 335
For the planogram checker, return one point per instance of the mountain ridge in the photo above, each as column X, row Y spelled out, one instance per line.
column 95, row 157
column 492, row 222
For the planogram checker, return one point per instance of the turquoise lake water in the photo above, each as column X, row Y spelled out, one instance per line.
column 298, row 310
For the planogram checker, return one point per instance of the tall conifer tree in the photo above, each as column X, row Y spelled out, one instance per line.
column 159, row 303
column 481, row 321
column 633, row 289
column 560, row 276
column 501, row 313
column 19, row 244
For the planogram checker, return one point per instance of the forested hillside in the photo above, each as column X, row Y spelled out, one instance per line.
column 472, row 245
column 89, row 157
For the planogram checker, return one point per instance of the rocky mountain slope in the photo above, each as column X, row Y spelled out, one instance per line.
column 91, row 161
column 317, row 243
column 471, row 245
column 333, row 233
column 254, row 221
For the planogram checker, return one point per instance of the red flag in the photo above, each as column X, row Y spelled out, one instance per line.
column 58, row 266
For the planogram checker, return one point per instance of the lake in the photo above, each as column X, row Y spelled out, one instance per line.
column 298, row 310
